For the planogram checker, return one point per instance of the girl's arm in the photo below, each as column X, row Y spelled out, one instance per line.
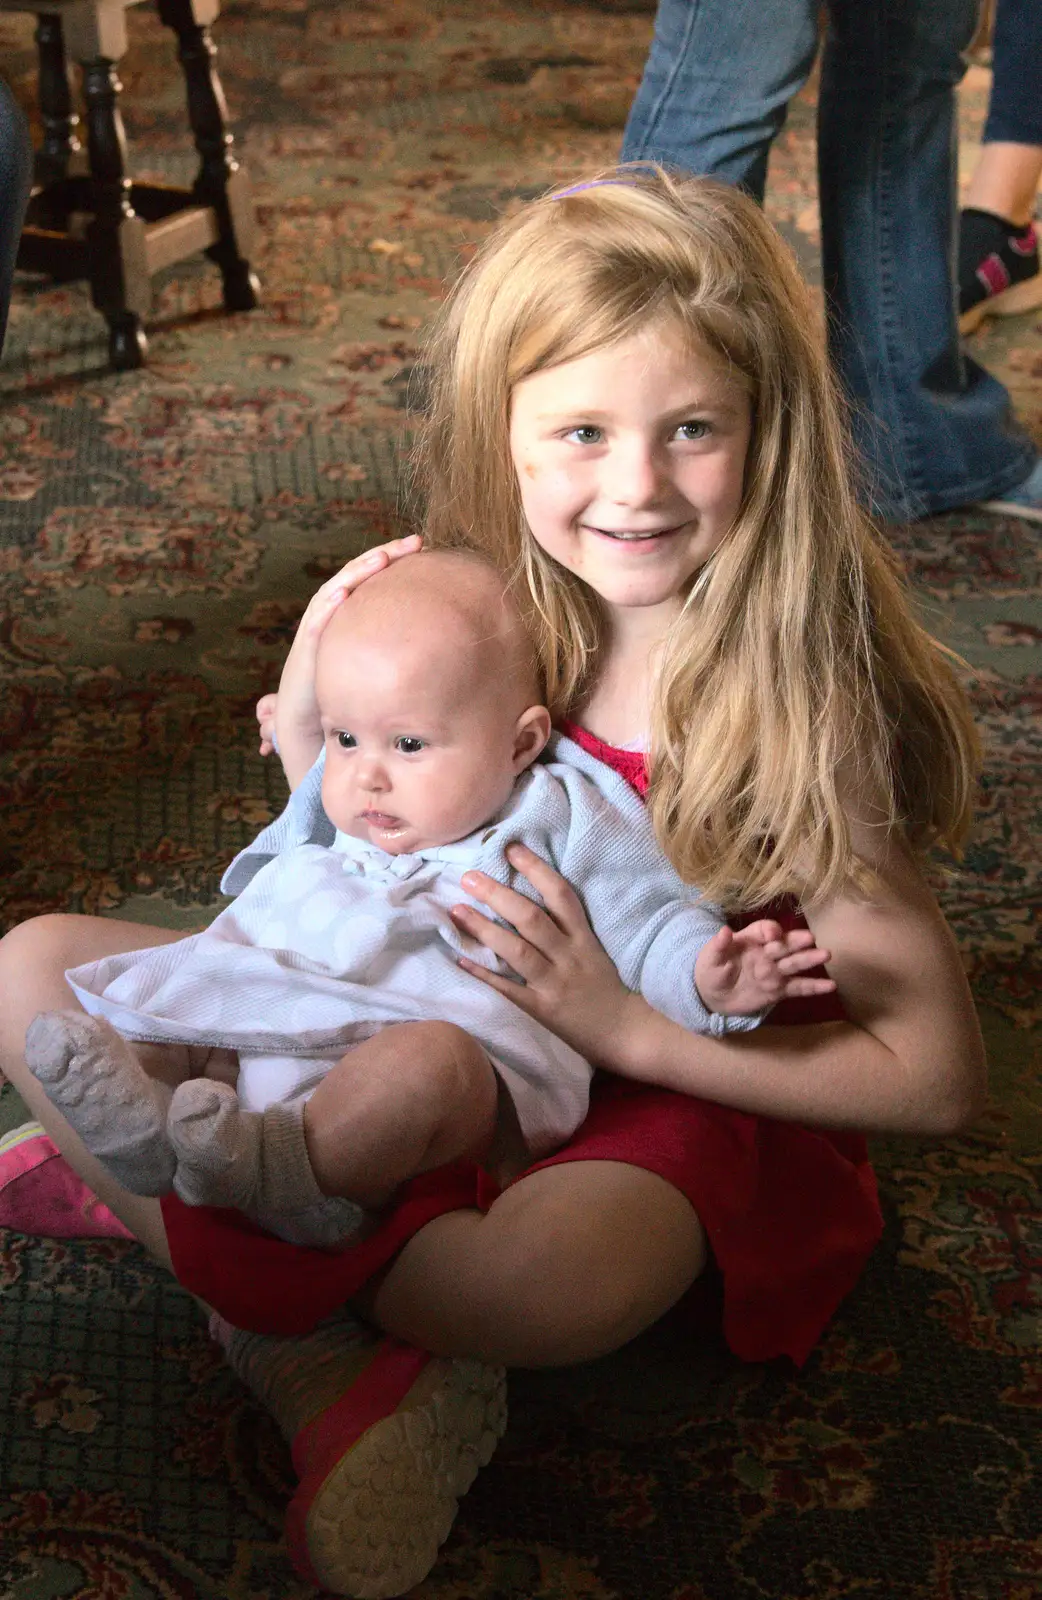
column 911, row 1058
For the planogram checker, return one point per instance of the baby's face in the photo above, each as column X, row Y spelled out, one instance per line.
column 418, row 752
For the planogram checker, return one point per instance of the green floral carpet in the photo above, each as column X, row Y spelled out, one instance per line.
column 159, row 534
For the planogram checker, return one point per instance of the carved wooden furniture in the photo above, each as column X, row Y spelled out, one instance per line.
column 87, row 218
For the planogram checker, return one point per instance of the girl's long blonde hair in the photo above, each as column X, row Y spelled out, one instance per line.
column 796, row 681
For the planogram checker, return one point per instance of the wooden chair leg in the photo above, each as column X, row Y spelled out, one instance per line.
column 221, row 182
column 119, row 278
column 56, row 113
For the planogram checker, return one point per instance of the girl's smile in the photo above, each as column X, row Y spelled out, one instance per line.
column 631, row 464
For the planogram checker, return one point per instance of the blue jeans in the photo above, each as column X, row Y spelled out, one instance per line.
column 933, row 428
column 1015, row 112
column 16, row 165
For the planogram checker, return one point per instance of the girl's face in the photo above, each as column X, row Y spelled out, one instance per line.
column 631, row 464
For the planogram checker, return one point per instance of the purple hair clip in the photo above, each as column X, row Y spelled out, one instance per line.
column 591, row 183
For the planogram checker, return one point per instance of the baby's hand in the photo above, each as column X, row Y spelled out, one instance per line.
column 739, row 973
column 266, row 722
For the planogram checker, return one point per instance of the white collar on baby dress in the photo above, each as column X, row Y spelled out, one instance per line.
column 463, row 853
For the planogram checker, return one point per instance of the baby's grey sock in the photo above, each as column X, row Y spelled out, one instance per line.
column 90, row 1073
column 254, row 1161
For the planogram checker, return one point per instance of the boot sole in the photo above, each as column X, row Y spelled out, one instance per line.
column 1012, row 302
column 369, row 1523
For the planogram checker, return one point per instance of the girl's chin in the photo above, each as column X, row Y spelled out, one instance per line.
column 633, row 596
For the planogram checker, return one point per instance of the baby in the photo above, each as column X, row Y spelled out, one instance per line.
column 330, row 993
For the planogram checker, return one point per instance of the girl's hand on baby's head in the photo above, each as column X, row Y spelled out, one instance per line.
column 298, row 724
column 570, row 984
column 336, row 589
column 737, row 974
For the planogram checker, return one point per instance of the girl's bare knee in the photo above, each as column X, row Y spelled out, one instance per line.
column 569, row 1264
column 33, row 941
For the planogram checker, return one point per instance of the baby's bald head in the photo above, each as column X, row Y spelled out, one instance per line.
column 429, row 695
column 451, row 613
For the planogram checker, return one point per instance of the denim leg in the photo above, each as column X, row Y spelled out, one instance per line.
column 717, row 84
column 1015, row 112
column 935, row 429
column 16, row 163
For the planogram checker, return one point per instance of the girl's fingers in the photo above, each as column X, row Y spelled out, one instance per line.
column 534, row 923
column 518, row 951
column 559, row 898
column 495, row 980
column 355, row 571
column 335, row 590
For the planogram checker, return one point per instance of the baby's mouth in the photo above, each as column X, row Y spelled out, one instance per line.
column 383, row 821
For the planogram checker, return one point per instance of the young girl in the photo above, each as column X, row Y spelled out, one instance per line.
column 632, row 415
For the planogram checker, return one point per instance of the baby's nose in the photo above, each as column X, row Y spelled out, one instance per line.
column 373, row 775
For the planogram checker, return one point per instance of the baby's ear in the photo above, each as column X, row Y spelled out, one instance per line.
column 531, row 732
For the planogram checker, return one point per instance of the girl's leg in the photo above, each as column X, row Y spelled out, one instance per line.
column 359, row 1410
column 502, row 1286
column 571, row 1262
column 33, row 961
column 385, row 1439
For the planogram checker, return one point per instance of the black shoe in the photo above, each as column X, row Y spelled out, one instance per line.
column 999, row 272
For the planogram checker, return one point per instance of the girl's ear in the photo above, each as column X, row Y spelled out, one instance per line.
column 531, row 732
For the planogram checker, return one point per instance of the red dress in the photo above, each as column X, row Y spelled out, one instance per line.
column 791, row 1213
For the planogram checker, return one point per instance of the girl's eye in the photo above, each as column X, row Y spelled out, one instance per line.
column 587, row 434
column 346, row 741
column 408, row 746
column 693, row 430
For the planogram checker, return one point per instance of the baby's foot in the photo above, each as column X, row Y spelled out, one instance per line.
column 90, row 1073
column 254, row 1161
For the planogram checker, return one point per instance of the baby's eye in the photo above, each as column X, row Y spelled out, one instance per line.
column 586, row 434
column 407, row 745
column 346, row 741
column 693, row 430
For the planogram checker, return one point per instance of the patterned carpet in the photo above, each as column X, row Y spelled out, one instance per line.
column 159, row 533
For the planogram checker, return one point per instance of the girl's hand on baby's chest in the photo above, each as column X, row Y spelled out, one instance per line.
column 570, row 985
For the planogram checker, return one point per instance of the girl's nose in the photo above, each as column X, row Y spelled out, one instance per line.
column 633, row 473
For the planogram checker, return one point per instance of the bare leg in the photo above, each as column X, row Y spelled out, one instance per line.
column 33, row 960
column 1005, row 181
column 570, row 1263
column 411, row 1098
column 501, row 1286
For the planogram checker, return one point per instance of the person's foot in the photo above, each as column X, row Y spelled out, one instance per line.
column 41, row 1195
column 1024, row 501
column 254, row 1161
column 385, row 1439
column 999, row 273
column 90, row 1073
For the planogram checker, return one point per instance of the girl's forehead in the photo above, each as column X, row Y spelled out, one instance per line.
column 666, row 358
